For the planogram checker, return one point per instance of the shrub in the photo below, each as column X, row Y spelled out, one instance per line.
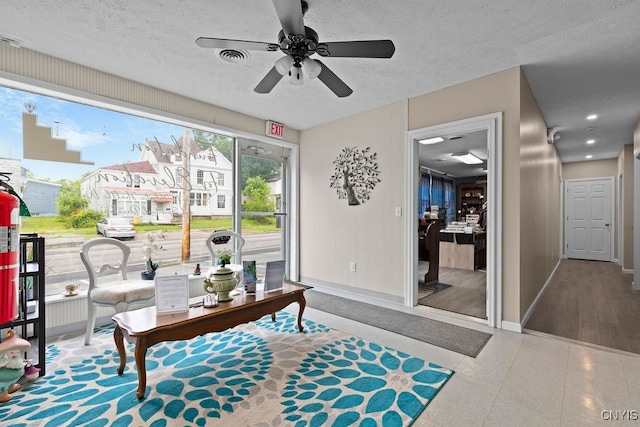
column 83, row 219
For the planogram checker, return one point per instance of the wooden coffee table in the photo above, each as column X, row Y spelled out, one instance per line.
column 145, row 328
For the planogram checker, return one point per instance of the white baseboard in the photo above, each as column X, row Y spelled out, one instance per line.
column 627, row 271
column 511, row 326
column 535, row 302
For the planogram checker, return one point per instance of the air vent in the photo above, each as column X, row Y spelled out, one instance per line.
column 233, row 56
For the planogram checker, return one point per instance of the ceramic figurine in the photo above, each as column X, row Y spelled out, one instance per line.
column 12, row 364
column 197, row 270
column 31, row 372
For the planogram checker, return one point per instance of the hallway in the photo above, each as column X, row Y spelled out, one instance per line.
column 592, row 302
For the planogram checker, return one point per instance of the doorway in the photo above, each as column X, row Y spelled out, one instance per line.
column 264, row 204
column 589, row 210
column 490, row 126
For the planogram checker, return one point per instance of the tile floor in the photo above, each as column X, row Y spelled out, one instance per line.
column 518, row 379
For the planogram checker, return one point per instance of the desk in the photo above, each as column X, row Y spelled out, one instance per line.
column 461, row 250
column 145, row 327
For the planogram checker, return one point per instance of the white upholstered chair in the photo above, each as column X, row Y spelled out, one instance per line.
column 108, row 282
column 225, row 240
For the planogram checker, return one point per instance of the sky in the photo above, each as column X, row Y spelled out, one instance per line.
column 104, row 137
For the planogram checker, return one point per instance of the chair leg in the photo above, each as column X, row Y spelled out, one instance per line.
column 91, row 322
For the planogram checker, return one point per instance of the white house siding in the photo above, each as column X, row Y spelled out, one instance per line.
column 202, row 179
column 126, row 192
column 13, row 167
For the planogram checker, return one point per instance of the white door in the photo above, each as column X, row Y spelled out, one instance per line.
column 588, row 228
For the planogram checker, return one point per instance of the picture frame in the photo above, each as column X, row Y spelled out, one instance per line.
column 274, row 275
column 249, row 276
column 172, row 294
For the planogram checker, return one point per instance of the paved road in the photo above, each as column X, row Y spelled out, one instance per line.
column 63, row 260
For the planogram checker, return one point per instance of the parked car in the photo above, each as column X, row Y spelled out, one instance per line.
column 117, row 227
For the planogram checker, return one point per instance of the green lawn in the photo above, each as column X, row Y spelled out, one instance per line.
column 56, row 226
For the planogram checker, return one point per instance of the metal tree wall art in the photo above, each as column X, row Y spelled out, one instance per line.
column 355, row 175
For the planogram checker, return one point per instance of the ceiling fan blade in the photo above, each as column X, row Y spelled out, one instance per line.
column 333, row 82
column 209, row 42
column 358, row 49
column 269, row 81
column 290, row 15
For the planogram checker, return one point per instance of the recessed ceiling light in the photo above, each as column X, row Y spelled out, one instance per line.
column 589, row 156
column 591, row 141
column 428, row 141
column 592, row 117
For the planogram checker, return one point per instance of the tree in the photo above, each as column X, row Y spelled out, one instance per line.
column 257, row 194
column 251, row 166
column 70, row 201
column 222, row 143
column 256, row 166
column 356, row 174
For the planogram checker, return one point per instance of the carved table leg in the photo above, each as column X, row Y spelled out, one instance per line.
column 141, row 354
column 303, row 304
column 119, row 339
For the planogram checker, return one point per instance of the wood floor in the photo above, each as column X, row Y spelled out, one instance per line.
column 467, row 294
column 592, row 302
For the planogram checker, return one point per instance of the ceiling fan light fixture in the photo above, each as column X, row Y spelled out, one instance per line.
column 284, row 64
column 295, row 74
column 311, row 67
column 467, row 158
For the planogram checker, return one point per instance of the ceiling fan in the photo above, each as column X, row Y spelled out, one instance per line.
column 299, row 43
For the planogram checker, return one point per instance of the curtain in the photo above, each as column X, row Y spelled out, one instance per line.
column 450, row 201
column 423, row 195
column 436, row 191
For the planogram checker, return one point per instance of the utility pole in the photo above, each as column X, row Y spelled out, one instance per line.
column 186, row 195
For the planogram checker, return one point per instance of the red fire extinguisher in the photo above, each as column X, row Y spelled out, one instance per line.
column 9, row 249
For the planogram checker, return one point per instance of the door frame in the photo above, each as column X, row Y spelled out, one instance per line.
column 620, row 234
column 612, row 206
column 290, row 178
column 492, row 124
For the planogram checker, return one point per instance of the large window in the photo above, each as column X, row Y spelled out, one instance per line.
column 434, row 190
column 108, row 164
column 114, row 164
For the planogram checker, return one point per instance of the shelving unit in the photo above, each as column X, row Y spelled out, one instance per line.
column 471, row 196
column 30, row 323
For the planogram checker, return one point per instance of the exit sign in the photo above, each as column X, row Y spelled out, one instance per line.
column 275, row 130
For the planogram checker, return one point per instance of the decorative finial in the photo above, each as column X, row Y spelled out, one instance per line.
column 29, row 107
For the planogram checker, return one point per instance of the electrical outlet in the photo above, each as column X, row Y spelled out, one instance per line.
column 352, row 266
column 398, row 211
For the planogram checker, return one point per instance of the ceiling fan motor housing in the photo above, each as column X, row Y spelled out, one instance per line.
column 299, row 46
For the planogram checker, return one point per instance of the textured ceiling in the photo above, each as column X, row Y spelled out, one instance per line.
column 580, row 57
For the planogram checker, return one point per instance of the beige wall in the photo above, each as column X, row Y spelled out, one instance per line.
column 590, row 169
column 497, row 92
column 625, row 168
column 73, row 79
column 332, row 233
column 540, row 170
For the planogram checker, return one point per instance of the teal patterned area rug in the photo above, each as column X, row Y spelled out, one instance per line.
column 260, row 374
